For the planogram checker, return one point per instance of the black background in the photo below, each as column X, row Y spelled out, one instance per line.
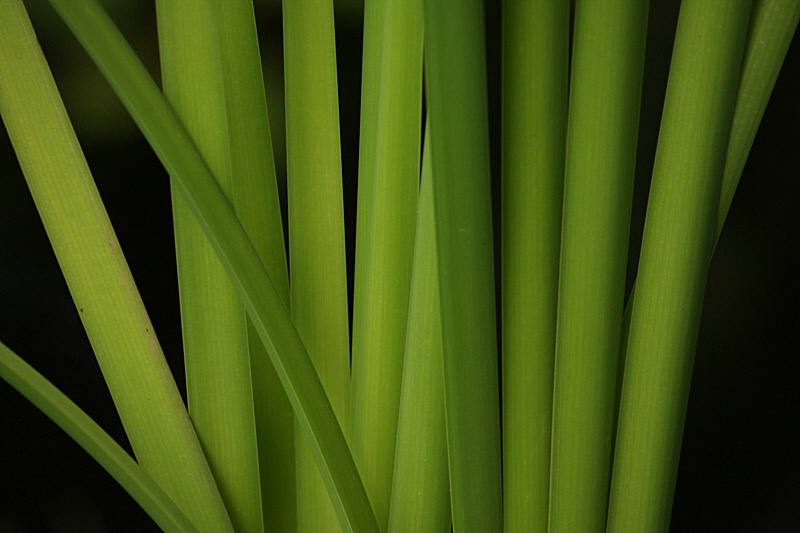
column 740, row 470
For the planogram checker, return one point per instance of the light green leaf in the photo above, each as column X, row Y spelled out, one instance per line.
column 92, row 438
column 316, row 227
column 105, row 295
column 262, row 300
column 605, row 91
column 213, row 320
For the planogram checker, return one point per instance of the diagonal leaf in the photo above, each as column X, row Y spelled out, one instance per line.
column 101, row 285
column 92, row 438
column 262, row 300
column 772, row 26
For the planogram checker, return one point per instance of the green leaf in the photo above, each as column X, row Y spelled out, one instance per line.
column 676, row 250
column 420, row 498
column 92, row 438
column 262, row 300
column 772, row 26
column 534, row 114
column 255, row 199
column 108, row 303
column 316, row 227
column 455, row 71
column 370, row 74
column 605, row 90
column 213, row 320
column 380, row 315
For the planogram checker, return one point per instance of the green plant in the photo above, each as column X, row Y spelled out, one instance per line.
column 424, row 282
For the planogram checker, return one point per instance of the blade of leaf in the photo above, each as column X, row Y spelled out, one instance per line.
column 605, row 91
column 676, row 249
column 213, row 320
column 172, row 145
column 535, row 89
column 455, row 73
column 772, row 27
column 255, row 199
column 92, row 438
column 370, row 74
column 98, row 277
column 380, row 319
column 420, row 497
column 317, row 263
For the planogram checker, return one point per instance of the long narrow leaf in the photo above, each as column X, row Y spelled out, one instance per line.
column 262, row 300
column 772, row 26
column 316, row 226
column 370, row 74
column 255, row 199
column 455, row 69
column 676, row 250
column 92, row 438
column 535, row 72
column 98, row 277
column 379, row 323
column 420, row 499
column 605, row 90
column 213, row 320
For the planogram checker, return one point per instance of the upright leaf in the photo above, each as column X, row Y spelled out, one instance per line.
column 420, row 498
column 255, row 199
column 534, row 115
column 213, row 320
column 455, row 68
column 262, row 300
column 676, row 249
column 379, row 320
column 605, row 90
column 316, row 226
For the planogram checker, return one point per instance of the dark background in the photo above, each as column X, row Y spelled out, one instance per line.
column 740, row 470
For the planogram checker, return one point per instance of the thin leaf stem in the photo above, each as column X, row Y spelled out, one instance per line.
column 92, row 438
